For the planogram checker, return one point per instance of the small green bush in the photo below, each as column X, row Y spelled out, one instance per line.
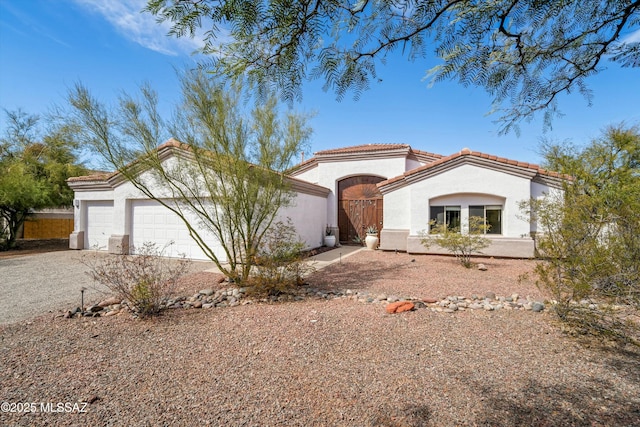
column 461, row 244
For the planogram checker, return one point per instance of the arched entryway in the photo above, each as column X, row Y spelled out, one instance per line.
column 359, row 206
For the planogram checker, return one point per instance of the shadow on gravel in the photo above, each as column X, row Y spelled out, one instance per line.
column 414, row 415
column 622, row 360
column 593, row 404
column 356, row 277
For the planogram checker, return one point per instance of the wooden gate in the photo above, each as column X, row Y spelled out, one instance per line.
column 359, row 206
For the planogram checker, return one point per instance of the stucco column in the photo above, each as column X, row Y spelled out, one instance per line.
column 119, row 239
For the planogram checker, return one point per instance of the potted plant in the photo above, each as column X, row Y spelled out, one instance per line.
column 372, row 237
column 329, row 238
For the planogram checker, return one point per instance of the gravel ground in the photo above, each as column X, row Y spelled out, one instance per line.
column 33, row 283
column 36, row 283
column 326, row 362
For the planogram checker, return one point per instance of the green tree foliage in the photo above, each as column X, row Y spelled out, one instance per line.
column 591, row 232
column 224, row 182
column 33, row 173
column 461, row 243
column 523, row 52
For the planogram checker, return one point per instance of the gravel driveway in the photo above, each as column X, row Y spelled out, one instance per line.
column 34, row 284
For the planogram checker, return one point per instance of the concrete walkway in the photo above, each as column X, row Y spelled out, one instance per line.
column 325, row 259
column 322, row 260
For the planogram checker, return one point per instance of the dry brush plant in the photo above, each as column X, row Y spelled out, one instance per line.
column 145, row 280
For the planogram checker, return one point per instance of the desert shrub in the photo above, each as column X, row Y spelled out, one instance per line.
column 590, row 239
column 461, row 243
column 145, row 280
column 281, row 262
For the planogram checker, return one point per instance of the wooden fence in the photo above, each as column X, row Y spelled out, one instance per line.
column 48, row 228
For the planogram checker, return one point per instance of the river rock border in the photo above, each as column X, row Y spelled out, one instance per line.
column 231, row 297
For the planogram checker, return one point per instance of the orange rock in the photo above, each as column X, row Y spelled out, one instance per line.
column 399, row 307
column 430, row 300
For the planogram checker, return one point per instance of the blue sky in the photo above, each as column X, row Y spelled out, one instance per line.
column 48, row 45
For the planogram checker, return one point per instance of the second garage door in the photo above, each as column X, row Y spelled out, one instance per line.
column 152, row 222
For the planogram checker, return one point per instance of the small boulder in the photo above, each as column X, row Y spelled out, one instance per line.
column 537, row 307
column 109, row 301
column 94, row 309
column 399, row 307
column 430, row 300
column 482, row 267
column 197, row 304
column 207, row 292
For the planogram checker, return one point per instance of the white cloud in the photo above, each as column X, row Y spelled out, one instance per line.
column 633, row 37
column 141, row 28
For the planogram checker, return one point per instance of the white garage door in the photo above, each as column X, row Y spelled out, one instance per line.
column 99, row 223
column 152, row 222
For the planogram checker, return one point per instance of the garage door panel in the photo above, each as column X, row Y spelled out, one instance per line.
column 99, row 224
column 152, row 222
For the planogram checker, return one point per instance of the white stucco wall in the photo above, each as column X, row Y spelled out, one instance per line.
column 397, row 209
column 308, row 214
column 310, row 175
column 468, row 185
column 541, row 191
column 412, row 164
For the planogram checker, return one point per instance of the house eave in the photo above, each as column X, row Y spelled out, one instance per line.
column 305, row 187
column 82, row 186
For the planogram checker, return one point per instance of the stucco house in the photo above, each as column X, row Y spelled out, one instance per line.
column 394, row 187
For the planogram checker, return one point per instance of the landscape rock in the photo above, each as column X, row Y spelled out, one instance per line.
column 482, row 267
column 399, row 307
column 537, row 307
column 94, row 308
column 430, row 300
column 109, row 301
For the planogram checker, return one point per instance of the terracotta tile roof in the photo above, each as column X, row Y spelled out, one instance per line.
column 93, row 177
column 104, row 176
column 468, row 152
column 364, row 148
column 426, row 153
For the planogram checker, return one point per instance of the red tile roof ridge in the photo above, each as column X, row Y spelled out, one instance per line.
column 92, row 177
column 363, row 148
column 469, row 152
